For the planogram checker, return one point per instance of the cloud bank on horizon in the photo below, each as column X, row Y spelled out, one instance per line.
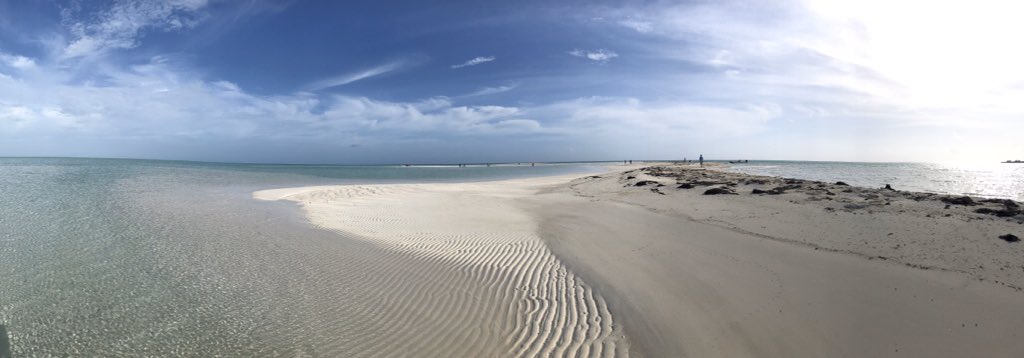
column 266, row 81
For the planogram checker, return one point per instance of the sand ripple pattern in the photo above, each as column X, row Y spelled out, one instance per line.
column 469, row 277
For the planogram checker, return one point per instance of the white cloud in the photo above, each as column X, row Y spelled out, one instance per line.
column 657, row 119
column 17, row 61
column 486, row 91
column 432, row 116
column 864, row 48
column 121, row 26
column 347, row 78
column 644, row 27
column 599, row 55
column 167, row 102
column 475, row 61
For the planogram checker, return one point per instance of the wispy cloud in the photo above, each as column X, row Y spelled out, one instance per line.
column 486, row 91
column 347, row 78
column 17, row 61
column 599, row 55
column 475, row 61
column 168, row 102
column 643, row 27
column 121, row 26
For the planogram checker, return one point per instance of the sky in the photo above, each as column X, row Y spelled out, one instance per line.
column 375, row 82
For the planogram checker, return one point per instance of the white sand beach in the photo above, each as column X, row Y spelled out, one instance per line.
column 499, row 290
column 608, row 266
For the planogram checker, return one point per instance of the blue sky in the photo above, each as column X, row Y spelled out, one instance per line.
column 422, row 82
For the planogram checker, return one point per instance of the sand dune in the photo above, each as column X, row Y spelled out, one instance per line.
column 472, row 278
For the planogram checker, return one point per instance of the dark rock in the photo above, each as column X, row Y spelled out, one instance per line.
column 719, row 191
column 1003, row 213
column 685, row 186
column 709, row 183
column 888, row 187
column 630, row 177
column 655, row 190
column 645, row 183
column 782, row 189
column 758, row 191
column 1009, row 204
column 1010, row 238
column 842, row 183
column 963, row 200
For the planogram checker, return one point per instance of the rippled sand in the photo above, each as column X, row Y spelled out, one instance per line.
column 469, row 274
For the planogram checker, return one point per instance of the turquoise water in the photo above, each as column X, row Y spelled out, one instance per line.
column 103, row 257
column 997, row 180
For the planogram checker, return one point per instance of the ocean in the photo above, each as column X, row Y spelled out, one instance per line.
column 994, row 180
column 109, row 257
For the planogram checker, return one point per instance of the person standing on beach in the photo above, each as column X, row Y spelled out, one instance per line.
column 701, row 160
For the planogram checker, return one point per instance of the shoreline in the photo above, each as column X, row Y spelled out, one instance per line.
column 980, row 180
column 680, row 273
column 907, row 227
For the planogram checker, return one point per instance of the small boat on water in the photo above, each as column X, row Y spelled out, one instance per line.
column 738, row 161
column 1014, row 162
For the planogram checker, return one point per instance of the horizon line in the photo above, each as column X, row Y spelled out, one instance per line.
column 463, row 163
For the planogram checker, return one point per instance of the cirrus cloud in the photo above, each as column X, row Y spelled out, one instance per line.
column 475, row 61
column 599, row 55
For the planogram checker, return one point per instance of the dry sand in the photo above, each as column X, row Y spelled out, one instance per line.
column 602, row 266
column 498, row 290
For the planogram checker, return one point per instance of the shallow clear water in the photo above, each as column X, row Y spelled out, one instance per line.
column 996, row 180
column 102, row 257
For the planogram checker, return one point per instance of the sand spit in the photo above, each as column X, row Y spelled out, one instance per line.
column 674, row 261
column 923, row 230
column 804, row 269
column 475, row 279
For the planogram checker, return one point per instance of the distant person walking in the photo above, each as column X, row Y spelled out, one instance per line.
column 701, row 160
